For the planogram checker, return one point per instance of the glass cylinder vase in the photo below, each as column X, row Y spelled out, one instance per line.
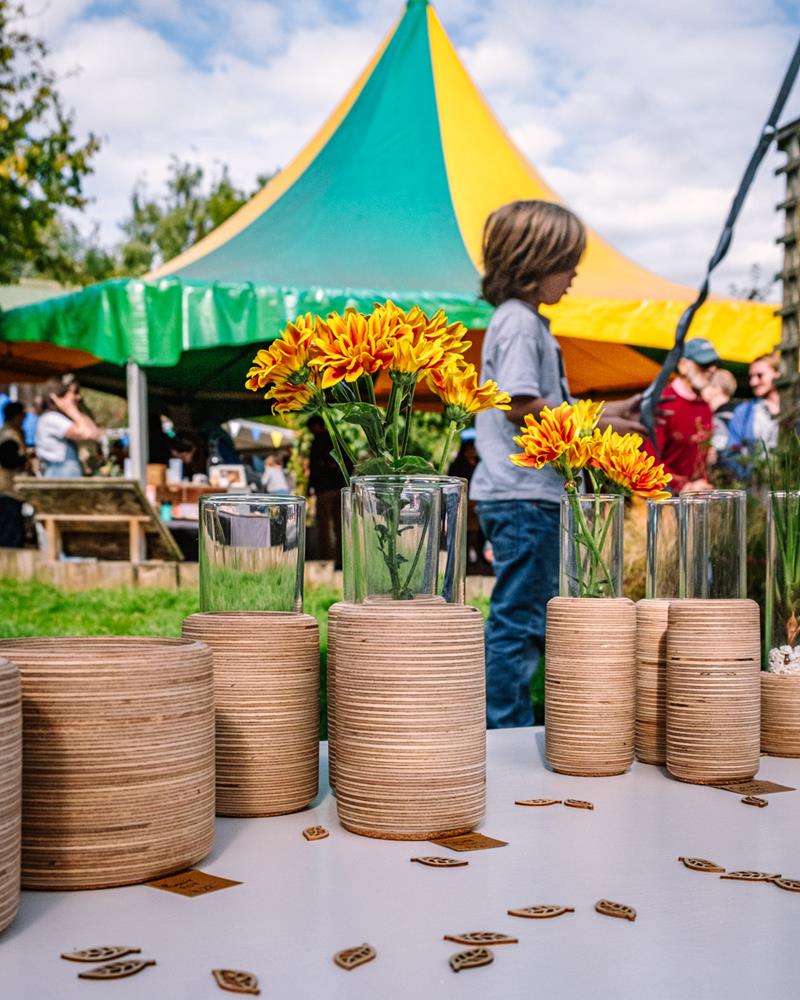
column 782, row 610
column 662, row 572
column 409, row 538
column 591, row 545
column 252, row 552
column 713, row 544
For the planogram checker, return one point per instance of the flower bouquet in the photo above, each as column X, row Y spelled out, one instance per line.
column 329, row 366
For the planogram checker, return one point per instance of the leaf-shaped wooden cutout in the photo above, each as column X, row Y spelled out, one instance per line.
column 790, row 884
column 611, row 909
column 541, row 912
column 236, row 981
column 578, row 804
column 104, row 953
column 433, row 862
column 702, row 865
column 481, row 937
column 117, row 970
column 470, row 959
column 315, row 833
column 751, row 876
column 351, row 958
column 538, row 802
column 755, row 800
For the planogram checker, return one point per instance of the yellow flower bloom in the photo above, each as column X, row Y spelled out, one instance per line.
column 585, row 415
column 620, row 458
column 288, row 398
column 458, row 389
column 349, row 346
column 286, row 357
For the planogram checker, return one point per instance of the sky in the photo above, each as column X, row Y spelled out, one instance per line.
column 640, row 113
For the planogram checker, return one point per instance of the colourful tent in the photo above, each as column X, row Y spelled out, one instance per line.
column 388, row 199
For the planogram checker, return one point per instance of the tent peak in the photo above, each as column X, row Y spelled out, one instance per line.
column 416, row 3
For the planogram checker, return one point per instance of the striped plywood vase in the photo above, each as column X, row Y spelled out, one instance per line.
column 266, row 684
column 10, row 791
column 333, row 621
column 590, row 685
column 118, row 759
column 410, row 719
column 651, row 681
column 780, row 714
column 713, row 690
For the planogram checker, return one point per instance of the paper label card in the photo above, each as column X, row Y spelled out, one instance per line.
column 469, row 842
column 755, row 787
column 192, row 883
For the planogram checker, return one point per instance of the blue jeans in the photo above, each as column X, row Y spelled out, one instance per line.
column 524, row 537
column 70, row 468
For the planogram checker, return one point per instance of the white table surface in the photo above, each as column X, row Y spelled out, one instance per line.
column 695, row 936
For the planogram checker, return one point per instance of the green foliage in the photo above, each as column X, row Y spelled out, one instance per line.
column 42, row 163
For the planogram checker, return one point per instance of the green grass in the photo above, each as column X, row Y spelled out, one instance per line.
column 32, row 608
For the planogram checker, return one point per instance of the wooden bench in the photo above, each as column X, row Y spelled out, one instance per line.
column 101, row 517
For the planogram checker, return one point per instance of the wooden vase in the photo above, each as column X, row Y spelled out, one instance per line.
column 410, row 719
column 10, row 791
column 651, row 681
column 780, row 714
column 118, row 753
column 333, row 622
column 590, row 685
column 713, row 690
column 266, row 686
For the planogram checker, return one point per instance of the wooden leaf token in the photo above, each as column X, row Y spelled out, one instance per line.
column 481, row 937
column 106, row 953
column 538, row 802
column 701, row 865
column 315, row 833
column 541, row 912
column 433, row 862
column 351, row 958
column 610, row 909
column 471, row 959
column 116, row 970
column 751, row 876
column 754, row 800
column 236, row 982
column 790, row 884
column 578, row 804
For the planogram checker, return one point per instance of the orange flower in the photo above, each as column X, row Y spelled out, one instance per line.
column 565, row 436
column 458, row 389
column 620, row 458
column 286, row 358
column 349, row 346
column 287, row 397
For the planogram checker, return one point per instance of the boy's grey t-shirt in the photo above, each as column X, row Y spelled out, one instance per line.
column 524, row 359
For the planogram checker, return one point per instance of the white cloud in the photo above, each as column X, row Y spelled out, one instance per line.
column 641, row 115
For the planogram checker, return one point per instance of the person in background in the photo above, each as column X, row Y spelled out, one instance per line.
column 684, row 418
column 756, row 420
column 325, row 482
column 13, row 461
column 61, row 426
column 531, row 250
column 718, row 394
column 274, row 478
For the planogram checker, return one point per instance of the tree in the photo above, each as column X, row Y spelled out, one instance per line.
column 42, row 162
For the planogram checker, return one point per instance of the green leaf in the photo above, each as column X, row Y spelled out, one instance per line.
column 367, row 416
column 374, row 467
column 414, row 464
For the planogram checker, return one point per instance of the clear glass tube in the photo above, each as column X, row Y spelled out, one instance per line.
column 591, row 545
column 713, row 544
column 409, row 537
column 782, row 610
column 663, row 568
column 348, row 579
column 252, row 552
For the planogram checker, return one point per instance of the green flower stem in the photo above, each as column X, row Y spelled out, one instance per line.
column 592, row 539
column 408, row 411
column 418, row 553
column 337, row 443
column 452, row 430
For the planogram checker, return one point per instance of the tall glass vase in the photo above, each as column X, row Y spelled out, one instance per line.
column 782, row 611
column 713, row 545
column 591, row 545
column 409, row 538
column 663, row 577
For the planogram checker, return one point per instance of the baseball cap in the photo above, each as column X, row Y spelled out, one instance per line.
column 701, row 351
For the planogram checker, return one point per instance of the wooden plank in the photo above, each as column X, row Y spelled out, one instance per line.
column 96, row 518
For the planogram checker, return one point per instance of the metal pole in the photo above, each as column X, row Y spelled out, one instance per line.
column 137, row 420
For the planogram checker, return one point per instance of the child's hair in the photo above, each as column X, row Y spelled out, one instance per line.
column 773, row 360
column 523, row 242
column 724, row 380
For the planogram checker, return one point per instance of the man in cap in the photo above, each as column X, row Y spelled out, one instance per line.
column 684, row 419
